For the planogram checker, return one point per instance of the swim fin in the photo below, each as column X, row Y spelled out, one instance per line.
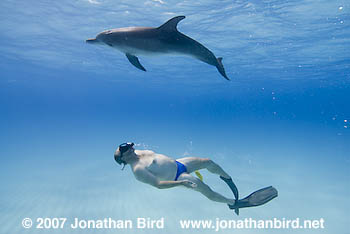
column 257, row 198
column 233, row 188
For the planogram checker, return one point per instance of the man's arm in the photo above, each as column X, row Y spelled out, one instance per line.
column 145, row 176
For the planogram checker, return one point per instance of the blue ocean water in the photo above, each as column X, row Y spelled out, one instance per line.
column 282, row 120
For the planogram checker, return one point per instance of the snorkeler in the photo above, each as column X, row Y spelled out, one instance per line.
column 164, row 172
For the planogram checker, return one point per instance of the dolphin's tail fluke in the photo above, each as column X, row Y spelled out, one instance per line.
column 221, row 68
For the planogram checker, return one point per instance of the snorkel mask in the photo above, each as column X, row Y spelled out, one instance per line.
column 122, row 149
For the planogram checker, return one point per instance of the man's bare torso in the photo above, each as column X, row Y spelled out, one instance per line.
column 161, row 166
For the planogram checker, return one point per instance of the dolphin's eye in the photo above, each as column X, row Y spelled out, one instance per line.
column 108, row 32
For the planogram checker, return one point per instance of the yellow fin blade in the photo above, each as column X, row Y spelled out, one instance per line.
column 199, row 175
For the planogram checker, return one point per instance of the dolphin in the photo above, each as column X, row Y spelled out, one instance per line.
column 165, row 39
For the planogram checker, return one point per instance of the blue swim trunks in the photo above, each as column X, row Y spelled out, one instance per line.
column 180, row 169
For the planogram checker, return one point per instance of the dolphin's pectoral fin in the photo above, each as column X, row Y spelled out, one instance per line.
column 171, row 24
column 135, row 61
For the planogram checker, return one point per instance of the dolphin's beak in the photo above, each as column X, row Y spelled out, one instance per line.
column 91, row 40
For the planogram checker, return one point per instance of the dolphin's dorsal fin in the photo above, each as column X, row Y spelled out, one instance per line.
column 171, row 24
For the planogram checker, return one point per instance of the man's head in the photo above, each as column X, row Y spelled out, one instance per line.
column 123, row 152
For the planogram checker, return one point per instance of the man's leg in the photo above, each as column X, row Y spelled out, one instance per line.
column 192, row 164
column 206, row 190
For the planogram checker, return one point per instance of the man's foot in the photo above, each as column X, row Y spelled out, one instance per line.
column 232, row 202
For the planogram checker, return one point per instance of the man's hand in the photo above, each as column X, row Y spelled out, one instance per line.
column 188, row 184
